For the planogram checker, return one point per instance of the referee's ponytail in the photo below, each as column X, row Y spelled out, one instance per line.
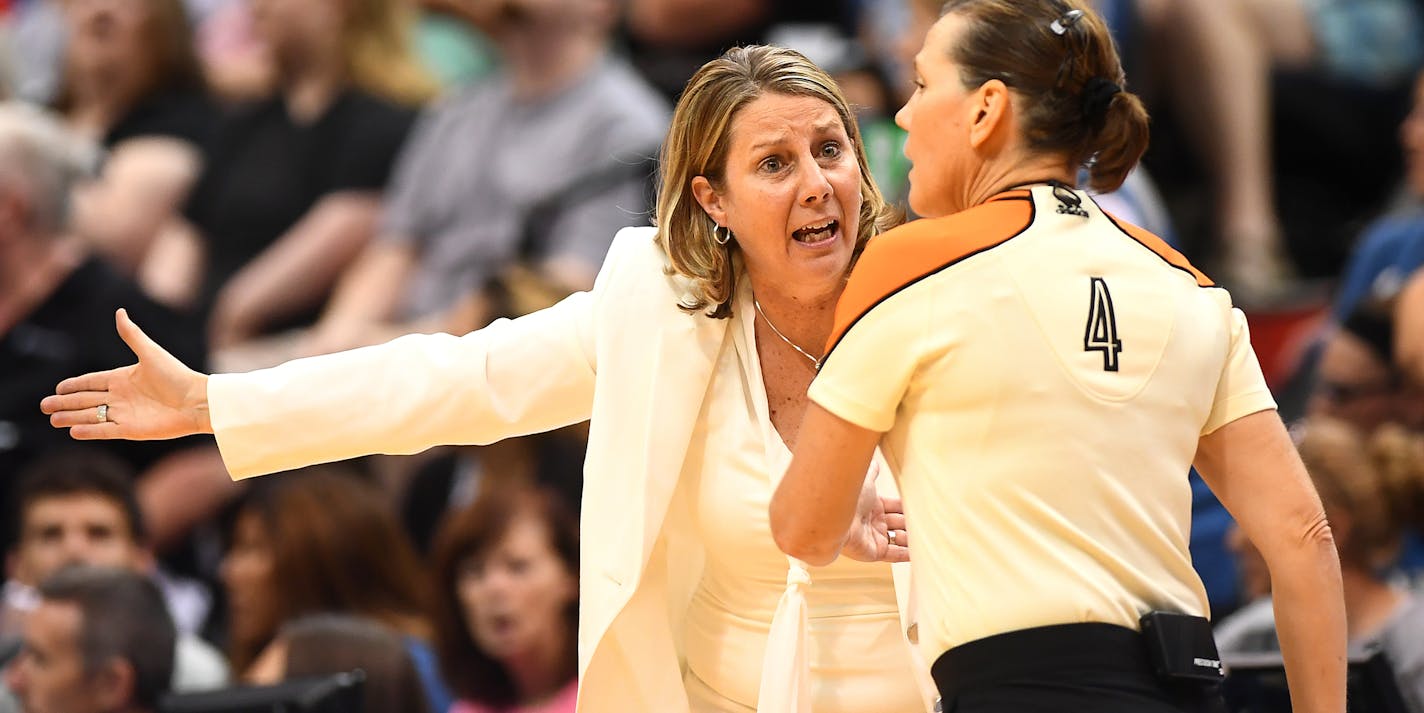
column 1059, row 58
column 1120, row 144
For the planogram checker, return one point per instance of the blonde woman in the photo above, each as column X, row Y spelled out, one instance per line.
column 691, row 357
column 291, row 185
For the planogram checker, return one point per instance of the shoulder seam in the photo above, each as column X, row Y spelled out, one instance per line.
column 1032, row 217
column 1160, row 256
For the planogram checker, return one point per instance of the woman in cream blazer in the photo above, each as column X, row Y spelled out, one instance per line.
column 643, row 356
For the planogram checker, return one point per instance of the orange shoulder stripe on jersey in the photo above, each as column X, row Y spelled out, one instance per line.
column 916, row 250
column 1162, row 249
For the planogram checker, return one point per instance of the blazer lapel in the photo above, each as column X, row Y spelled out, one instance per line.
column 683, row 360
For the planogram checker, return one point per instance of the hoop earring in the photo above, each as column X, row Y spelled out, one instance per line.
column 723, row 237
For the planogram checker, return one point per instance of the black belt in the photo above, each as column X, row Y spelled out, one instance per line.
column 1069, row 658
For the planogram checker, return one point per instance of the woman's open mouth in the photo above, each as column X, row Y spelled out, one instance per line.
column 817, row 234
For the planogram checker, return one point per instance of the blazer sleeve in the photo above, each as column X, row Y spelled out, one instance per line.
column 512, row 378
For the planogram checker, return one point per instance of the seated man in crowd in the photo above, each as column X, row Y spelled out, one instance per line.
column 80, row 508
column 99, row 641
column 57, row 305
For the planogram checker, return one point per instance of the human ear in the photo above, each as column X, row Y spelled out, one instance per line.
column 991, row 105
column 113, row 685
column 709, row 199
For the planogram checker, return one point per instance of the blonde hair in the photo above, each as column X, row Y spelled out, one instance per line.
column 697, row 145
column 1377, row 479
column 376, row 48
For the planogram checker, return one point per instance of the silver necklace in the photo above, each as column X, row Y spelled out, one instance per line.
column 815, row 361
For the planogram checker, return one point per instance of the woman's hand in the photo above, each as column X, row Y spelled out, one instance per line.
column 877, row 534
column 154, row 399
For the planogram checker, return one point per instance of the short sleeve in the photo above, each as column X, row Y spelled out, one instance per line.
column 366, row 160
column 405, row 199
column 584, row 231
column 1242, row 389
column 865, row 375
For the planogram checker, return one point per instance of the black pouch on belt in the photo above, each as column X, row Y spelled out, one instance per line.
column 1181, row 647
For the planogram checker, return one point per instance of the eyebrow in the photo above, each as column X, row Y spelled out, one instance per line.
column 824, row 127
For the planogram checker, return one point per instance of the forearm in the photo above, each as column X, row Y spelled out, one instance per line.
column 1251, row 465
column 369, row 292
column 171, row 271
column 816, row 500
column 1310, row 622
column 298, row 271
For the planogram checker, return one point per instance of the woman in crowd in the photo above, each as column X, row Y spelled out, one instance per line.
column 1043, row 376
column 291, row 183
column 690, row 357
column 506, row 607
column 323, row 542
column 132, row 83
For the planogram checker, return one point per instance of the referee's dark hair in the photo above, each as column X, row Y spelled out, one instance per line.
column 1059, row 58
column 122, row 616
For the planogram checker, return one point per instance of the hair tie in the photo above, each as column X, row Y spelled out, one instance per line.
column 1097, row 95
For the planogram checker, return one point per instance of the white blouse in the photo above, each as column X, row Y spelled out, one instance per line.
column 857, row 656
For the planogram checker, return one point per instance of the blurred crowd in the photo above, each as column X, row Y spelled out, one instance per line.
column 261, row 180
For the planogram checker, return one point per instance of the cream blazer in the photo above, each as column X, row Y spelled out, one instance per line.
column 623, row 355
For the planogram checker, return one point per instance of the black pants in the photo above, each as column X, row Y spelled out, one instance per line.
column 1077, row 668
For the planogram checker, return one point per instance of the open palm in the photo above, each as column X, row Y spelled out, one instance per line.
column 156, row 398
column 868, row 539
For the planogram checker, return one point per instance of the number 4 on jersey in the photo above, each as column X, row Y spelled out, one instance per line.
column 1101, row 333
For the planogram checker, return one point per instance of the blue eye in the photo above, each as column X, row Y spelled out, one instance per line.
column 831, row 149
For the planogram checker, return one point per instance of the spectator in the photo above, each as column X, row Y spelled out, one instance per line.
column 321, row 542
column 324, row 644
column 291, row 184
column 1409, row 234
column 1372, row 486
column 1220, row 56
column 1392, row 248
column 1357, row 380
column 236, row 63
column 456, row 52
column 100, row 640
column 56, row 300
column 507, row 604
column 474, row 191
column 131, row 82
column 80, row 508
column 670, row 39
column 34, row 46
